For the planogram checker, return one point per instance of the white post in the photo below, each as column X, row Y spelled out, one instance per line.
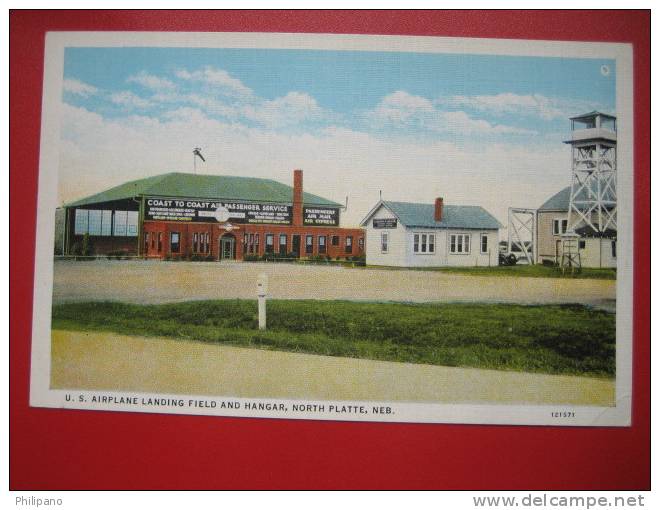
column 262, row 289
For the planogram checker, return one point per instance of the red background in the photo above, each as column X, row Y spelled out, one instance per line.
column 54, row 449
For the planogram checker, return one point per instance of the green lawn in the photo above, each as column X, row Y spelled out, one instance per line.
column 556, row 339
column 535, row 271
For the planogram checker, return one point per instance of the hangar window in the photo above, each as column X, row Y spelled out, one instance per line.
column 106, row 223
column 132, row 223
column 322, row 244
column 270, row 248
column 174, row 242
column 424, row 243
column 309, row 244
column 459, row 243
column 282, row 244
column 196, row 242
column 256, row 244
column 614, row 249
column 384, row 242
column 95, row 222
column 119, row 227
column 95, row 219
column 335, row 240
column 160, row 241
column 81, row 222
column 582, row 244
column 153, row 241
column 146, row 241
column 361, row 243
column 349, row 244
column 98, row 222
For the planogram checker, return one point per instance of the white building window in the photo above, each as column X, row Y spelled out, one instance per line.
column 424, row 243
column 484, row 243
column 559, row 226
column 384, row 242
column 459, row 243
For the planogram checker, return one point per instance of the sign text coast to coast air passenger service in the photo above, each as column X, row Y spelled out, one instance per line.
column 193, row 210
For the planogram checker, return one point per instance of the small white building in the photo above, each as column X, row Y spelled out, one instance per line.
column 408, row 234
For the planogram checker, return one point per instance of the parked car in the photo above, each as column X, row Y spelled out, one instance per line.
column 508, row 259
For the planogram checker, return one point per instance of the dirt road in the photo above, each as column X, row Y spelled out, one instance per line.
column 158, row 282
column 106, row 361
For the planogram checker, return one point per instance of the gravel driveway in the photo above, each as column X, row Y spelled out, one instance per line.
column 159, row 282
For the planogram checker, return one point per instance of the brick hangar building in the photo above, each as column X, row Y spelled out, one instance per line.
column 179, row 215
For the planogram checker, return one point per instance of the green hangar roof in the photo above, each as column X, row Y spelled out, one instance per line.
column 453, row 216
column 219, row 187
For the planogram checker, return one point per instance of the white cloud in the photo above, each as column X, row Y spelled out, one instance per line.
column 219, row 79
column 547, row 108
column 129, row 100
column 289, row 110
column 78, row 87
column 401, row 106
column 461, row 122
column 152, row 82
column 210, row 105
column 187, row 115
column 294, row 108
column 402, row 109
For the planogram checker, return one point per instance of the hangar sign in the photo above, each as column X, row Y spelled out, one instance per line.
column 320, row 216
column 194, row 210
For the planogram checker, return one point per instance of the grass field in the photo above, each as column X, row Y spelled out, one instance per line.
column 554, row 339
column 535, row 271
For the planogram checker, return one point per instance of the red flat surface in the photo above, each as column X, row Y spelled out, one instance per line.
column 53, row 449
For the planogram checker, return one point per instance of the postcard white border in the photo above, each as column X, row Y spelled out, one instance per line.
column 620, row 415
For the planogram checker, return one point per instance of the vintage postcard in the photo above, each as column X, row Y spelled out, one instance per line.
column 373, row 228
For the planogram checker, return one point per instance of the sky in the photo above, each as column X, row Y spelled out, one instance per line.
column 473, row 129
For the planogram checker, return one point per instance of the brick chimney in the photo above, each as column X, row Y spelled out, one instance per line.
column 297, row 198
column 437, row 215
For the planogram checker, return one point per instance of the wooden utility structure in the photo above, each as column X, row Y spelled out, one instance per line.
column 593, row 198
